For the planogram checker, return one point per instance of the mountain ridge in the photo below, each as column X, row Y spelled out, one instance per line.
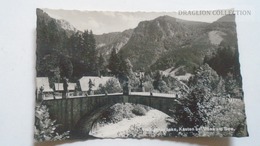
column 164, row 42
column 156, row 39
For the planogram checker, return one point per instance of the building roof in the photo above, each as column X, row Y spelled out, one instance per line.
column 43, row 82
column 84, row 82
column 59, row 86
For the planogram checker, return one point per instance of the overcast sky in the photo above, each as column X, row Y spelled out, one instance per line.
column 104, row 22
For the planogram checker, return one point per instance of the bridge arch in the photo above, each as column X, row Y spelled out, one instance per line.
column 78, row 114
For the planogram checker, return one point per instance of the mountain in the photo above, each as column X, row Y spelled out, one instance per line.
column 106, row 42
column 159, row 44
column 66, row 25
column 153, row 39
column 226, row 28
column 62, row 25
column 167, row 42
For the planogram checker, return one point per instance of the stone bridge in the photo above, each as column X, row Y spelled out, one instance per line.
column 80, row 113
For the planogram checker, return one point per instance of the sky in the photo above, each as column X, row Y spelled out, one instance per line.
column 108, row 21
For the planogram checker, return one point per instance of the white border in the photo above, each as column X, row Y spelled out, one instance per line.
column 17, row 53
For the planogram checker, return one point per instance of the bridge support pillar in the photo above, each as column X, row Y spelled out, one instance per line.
column 125, row 99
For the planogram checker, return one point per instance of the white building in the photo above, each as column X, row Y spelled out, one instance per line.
column 59, row 87
column 43, row 82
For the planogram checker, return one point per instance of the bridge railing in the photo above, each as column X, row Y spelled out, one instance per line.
column 164, row 95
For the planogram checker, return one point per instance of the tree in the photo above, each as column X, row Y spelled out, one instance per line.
column 49, row 42
column 90, row 85
column 89, row 52
column 148, row 82
column 193, row 108
column 233, row 87
column 225, row 60
column 111, row 86
column 82, row 50
column 53, row 42
column 159, row 84
column 114, row 63
column 92, row 41
column 101, row 65
column 206, row 77
column 157, row 78
column 42, row 37
column 85, row 37
column 45, row 128
column 189, row 112
column 92, row 54
column 125, row 69
column 75, row 46
column 66, row 67
column 126, row 74
column 212, row 105
column 86, row 48
column 128, row 67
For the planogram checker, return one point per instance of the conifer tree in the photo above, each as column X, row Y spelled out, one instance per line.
column 114, row 63
column 101, row 65
column 66, row 67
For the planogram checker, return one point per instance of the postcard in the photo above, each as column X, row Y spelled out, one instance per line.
column 105, row 74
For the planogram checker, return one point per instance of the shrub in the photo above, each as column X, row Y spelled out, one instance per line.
column 111, row 86
column 139, row 110
column 45, row 128
column 207, row 105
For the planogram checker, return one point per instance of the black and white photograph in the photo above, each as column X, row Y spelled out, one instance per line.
column 110, row 74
